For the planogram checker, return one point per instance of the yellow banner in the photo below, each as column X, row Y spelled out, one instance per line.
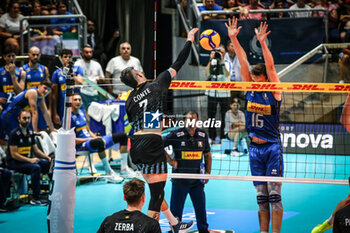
column 24, row 150
column 191, row 155
column 261, row 86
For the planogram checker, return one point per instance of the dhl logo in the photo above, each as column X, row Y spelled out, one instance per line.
column 81, row 128
column 191, row 155
column 259, row 108
column 33, row 84
column 246, row 86
column 8, row 88
column 25, row 150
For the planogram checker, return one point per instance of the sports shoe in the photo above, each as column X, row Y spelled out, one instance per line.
column 127, row 173
column 93, row 170
column 182, row 227
column 235, row 152
column 114, row 178
column 320, row 228
column 38, row 202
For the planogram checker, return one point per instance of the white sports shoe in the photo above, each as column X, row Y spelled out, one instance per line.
column 93, row 170
column 236, row 153
column 127, row 173
column 114, row 178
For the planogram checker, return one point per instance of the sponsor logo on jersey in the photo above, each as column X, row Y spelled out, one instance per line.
column 259, row 108
column 179, row 134
column 191, row 155
column 33, row 84
column 152, row 120
column 81, row 128
column 24, row 150
column 183, row 143
column 63, row 87
column 201, row 134
column 8, row 88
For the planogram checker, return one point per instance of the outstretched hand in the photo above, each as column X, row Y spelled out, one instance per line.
column 190, row 35
column 232, row 29
column 262, row 34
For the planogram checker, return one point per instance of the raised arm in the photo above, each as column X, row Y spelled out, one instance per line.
column 182, row 57
column 233, row 31
column 269, row 63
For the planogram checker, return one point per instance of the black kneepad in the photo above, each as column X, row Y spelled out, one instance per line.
column 157, row 195
column 120, row 137
column 97, row 144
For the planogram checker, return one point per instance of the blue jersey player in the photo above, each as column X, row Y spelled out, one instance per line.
column 59, row 86
column 35, row 73
column 262, row 123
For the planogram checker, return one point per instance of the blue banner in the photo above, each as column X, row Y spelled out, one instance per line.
column 290, row 38
column 315, row 139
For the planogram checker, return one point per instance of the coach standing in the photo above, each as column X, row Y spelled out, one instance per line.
column 189, row 145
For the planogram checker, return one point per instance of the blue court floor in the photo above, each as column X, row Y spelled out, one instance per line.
column 231, row 205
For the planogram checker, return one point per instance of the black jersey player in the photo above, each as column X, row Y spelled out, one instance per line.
column 144, row 108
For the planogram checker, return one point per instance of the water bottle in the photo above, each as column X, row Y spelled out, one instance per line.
column 202, row 170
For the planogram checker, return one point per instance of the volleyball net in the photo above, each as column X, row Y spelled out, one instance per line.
column 315, row 145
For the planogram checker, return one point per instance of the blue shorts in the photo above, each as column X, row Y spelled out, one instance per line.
column 266, row 160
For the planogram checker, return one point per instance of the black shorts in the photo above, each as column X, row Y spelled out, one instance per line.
column 147, row 153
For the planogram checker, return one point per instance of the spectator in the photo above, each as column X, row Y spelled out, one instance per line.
column 189, row 144
column 344, row 66
column 12, row 78
column 117, row 64
column 344, row 18
column 62, row 10
column 59, row 86
column 234, row 126
column 132, row 217
column 39, row 33
column 21, row 143
column 279, row 4
column 94, row 40
column 93, row 71
column 216, row 71
column 35, row 73
column 112, row 45
column 231, row 5
column 86, row 140
column 10, row 22
column 209, row 5
column 253, row 5
column 297, row 6
column 29, row 98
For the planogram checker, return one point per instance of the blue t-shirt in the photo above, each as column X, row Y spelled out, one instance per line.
column 216, row 8
column 34, row 76
column 60, row 80
column 6, row 85
column 66, row 28
column 79, row 122
column 263, row 115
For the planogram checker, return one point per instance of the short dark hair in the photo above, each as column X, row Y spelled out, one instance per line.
column 9, row 49
column 133, row 191
column 128, row 77
column 259, row 69
column 66, row 52
column 47, row 82
column 228, row 42
column 192, row 112
column 23, row 110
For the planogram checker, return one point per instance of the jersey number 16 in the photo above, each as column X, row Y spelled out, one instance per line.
column 257, row 120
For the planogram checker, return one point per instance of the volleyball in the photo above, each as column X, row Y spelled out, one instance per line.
column 209, row 39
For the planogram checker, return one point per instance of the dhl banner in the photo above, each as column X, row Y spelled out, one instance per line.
column 261, row 86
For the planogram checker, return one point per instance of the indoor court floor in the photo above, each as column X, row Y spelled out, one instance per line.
column 231, row 205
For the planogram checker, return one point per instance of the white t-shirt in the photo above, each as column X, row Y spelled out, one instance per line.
column 92, row 71
column 233, row 67
column 116, row 65
column 11, row 25
column 231, row 118
column 304, row 14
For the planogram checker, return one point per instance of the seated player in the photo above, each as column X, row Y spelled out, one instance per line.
column 21, row 142
column 234, row 126
column 86, row 140
column 30, row 99
column 131, row 219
